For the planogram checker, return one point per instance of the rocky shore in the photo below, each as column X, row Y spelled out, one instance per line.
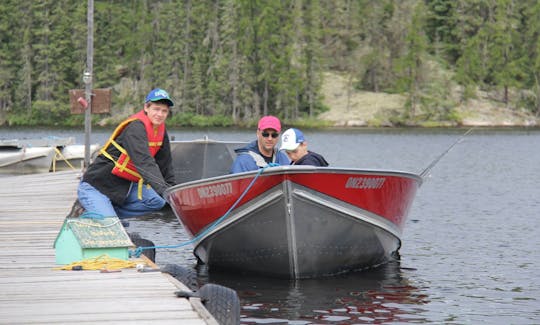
column 360, row 108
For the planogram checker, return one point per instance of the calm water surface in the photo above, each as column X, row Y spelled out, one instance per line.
column 470, row 251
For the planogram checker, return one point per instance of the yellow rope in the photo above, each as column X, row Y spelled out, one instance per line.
column 101, row 262
column 60, row 156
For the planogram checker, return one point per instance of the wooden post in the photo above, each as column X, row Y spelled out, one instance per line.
column 87, row 78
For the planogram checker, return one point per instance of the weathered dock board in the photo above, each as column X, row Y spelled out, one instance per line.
column 32, row 209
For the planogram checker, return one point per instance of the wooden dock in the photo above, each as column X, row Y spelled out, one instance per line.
column 32, row 210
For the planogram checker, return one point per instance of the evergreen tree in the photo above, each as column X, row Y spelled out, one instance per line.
column 411, row 65
column 530, row 50
column 375, row 19
column 229, row 64
column 314, row 61
column 504, row 47
column 441, row 24
column 10, row 62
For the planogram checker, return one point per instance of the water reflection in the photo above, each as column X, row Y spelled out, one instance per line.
column 375, row 296
column 378, row 296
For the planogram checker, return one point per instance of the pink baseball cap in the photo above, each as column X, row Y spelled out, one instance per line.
column 269, row 122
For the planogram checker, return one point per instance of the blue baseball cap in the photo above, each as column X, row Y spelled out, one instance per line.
column 157, row 95
column 291, row 139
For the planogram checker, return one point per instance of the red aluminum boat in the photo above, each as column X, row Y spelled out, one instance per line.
column 296, row 221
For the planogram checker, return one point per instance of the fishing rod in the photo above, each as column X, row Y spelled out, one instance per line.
column 434, row 162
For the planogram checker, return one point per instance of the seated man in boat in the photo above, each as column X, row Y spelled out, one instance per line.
column 295, row 145
column 261, row 152
column 134, row 167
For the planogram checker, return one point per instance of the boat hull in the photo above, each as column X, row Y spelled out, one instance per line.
column 296, row 221
column 26, row 160
column 25, row 156
column 71, row 157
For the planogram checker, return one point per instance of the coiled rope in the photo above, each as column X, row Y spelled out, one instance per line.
column 137, row 252
column 101, row 262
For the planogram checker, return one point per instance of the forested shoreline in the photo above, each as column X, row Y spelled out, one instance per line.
column 228, row 62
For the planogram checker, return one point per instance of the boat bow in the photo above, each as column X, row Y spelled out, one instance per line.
column 296, row 221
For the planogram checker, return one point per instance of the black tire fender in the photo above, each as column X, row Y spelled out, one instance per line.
column 185, row 275
column 222, row 302
column 138, row 241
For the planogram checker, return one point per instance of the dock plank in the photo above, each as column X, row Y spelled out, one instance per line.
column 32, row 211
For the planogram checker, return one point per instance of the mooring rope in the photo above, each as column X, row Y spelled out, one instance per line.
column 60, row 157
column 137, row 252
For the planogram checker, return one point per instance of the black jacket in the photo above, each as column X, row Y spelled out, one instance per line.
column 156, row 171
column 311, row 158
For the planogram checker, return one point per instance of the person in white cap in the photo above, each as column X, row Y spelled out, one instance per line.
column 261, row 152
column 134, row 167
column 295, row 145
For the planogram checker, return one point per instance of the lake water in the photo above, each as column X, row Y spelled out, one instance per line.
column 470, row 251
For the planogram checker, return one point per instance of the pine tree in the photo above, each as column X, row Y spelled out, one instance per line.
column 441, row 24
column 411, row 65
column 375, row 59
column 503, row 48
column 10, row 61
column 530, row 49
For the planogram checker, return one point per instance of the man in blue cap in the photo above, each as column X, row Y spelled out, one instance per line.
column 134, row 167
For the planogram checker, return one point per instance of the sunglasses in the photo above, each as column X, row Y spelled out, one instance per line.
column 267, row 134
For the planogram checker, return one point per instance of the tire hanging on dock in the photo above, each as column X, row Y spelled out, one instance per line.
column 138, row 241
column 185, row 275
column 222, row 302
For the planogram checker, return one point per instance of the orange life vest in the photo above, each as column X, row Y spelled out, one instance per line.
column 123, row 167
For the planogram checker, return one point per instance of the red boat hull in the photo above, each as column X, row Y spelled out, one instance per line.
column 296, row 221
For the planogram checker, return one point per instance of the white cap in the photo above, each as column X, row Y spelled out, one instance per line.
column 291, row 139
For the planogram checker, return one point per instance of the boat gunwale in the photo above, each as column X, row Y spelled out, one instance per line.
column 293, row 169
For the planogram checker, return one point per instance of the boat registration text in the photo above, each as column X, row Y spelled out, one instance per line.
column 365, row 183
column 215, row 190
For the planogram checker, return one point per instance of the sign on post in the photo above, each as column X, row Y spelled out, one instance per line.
column 101, row 101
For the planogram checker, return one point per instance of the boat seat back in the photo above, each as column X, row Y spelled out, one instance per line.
column 194, row 160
